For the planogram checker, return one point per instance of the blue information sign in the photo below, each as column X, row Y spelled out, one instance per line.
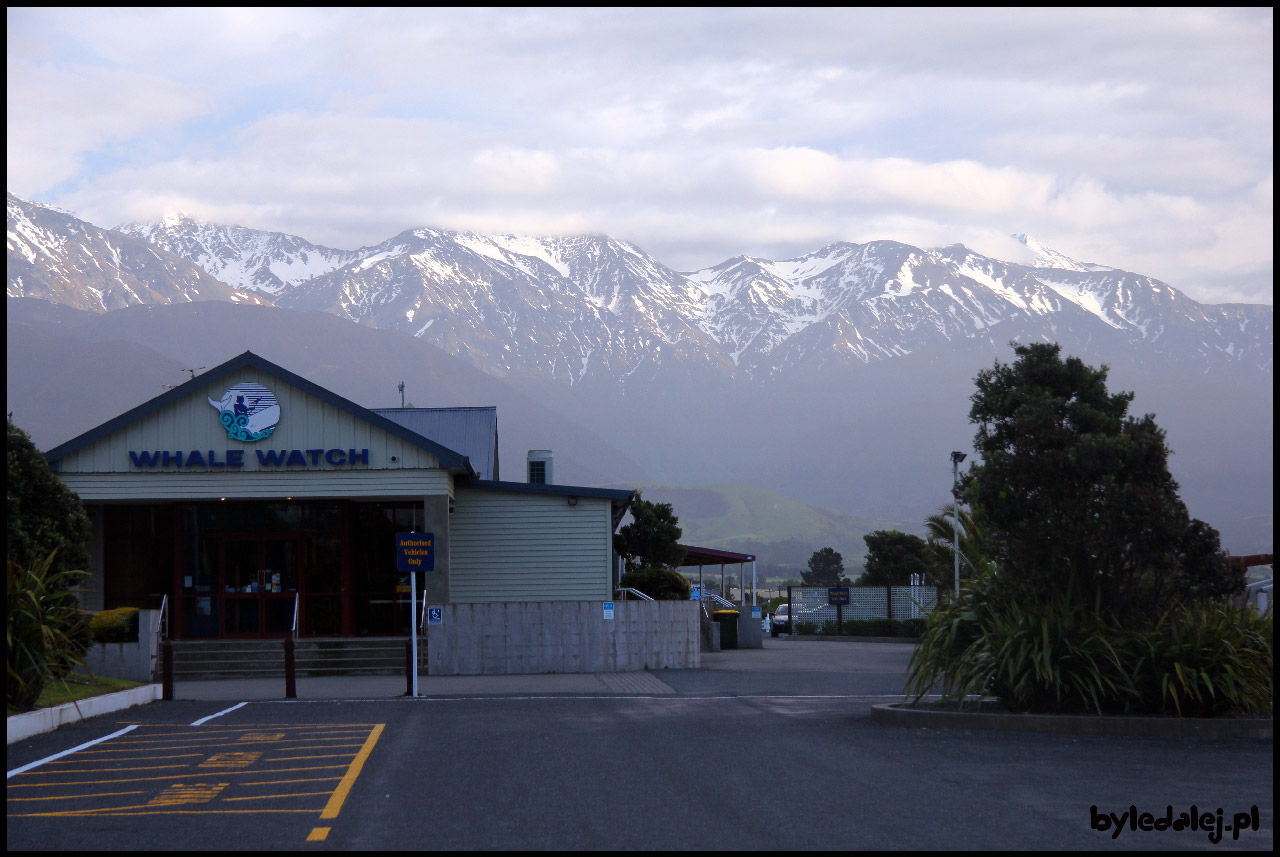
column 415, row 552
column 838, row 595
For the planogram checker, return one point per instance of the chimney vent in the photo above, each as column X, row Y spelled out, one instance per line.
column 539, row 468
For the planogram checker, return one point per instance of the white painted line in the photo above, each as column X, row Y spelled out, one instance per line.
column 26, row 768
column 663, row 698
column 204, row 720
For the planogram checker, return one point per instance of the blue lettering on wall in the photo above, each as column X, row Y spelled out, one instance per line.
column 270, row 457
column 235, row 458
column 144, row 459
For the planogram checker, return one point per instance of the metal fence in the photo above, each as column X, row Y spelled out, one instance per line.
column 809, row 603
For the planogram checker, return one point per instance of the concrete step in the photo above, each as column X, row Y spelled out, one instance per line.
column 201, row 659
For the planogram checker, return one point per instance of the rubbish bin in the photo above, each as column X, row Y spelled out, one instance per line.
column 728, row 620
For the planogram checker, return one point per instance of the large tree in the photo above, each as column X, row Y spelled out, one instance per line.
column 44, row 515
column 1081, row 492
column 893, row 556
column 826, row 568
column 652, row 538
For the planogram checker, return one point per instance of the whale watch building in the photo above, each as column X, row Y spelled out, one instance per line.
column 262, row 504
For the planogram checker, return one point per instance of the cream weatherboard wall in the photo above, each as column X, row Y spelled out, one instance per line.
column 517, row 546
column 104, row 471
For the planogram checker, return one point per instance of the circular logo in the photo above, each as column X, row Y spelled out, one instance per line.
column 248, row 412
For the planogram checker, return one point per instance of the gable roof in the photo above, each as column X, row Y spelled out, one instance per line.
column 248, row 360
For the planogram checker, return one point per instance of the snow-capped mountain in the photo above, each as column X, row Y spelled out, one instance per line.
column 251, row 259
column 55, row 256
column 594, row 310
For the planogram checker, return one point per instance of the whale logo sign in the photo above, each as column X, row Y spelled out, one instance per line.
column 248, row 412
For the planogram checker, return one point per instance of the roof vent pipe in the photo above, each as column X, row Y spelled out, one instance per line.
column 539, row 467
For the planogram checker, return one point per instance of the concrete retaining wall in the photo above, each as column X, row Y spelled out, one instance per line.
column 133, row 661
column 563, row 637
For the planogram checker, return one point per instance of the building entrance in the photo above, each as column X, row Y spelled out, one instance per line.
column 259, row 584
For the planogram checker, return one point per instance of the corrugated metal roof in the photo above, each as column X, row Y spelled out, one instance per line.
column 470, row 431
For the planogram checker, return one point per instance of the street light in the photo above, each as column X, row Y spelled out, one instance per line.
column 956, row 458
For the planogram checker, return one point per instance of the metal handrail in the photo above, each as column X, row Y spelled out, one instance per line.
column 627, row 589
column 164, row 611
column 422, row 618
column 723, row 602
column 295, row 616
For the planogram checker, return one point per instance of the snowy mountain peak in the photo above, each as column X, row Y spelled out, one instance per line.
column 1046, row 257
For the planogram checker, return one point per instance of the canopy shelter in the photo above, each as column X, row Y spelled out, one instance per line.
column 710, row 556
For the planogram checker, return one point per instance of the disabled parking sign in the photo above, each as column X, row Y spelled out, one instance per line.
column 435, row 615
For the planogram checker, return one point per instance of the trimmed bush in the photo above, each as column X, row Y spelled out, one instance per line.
column 116, row 626
column 804, row 626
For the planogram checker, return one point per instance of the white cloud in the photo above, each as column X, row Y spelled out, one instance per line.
column 1113, row 135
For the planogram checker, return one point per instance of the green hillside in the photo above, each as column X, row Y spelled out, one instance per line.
column 782, row 532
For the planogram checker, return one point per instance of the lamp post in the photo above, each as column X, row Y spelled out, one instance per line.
column 956, row 458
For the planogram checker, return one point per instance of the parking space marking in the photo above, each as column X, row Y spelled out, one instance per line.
column 251, row 769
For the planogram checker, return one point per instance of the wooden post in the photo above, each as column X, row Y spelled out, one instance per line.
column 290, row 670
column 166, row 671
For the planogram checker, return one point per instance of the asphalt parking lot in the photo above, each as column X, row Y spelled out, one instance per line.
column 759, row 749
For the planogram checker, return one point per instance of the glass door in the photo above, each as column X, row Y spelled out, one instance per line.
column 260, row 579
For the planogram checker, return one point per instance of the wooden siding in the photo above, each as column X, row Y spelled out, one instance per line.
column 263, row 484
column 512, row 546
column 192, row 424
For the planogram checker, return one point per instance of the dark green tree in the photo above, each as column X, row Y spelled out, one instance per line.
column 660, row 584
column 893, row 556
column 652, row 538
column 44, row 515
column 1082, row 492
column 826, row 568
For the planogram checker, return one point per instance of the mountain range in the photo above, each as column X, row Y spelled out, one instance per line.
column 839, row 377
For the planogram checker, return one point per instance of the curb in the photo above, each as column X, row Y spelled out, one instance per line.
column 901, row 714
column 22, row 726
column 846, row 638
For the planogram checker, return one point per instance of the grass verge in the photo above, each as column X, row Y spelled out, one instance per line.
column 76, row 687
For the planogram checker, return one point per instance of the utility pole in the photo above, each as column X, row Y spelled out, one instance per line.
column 956, row 458
column 402, row 394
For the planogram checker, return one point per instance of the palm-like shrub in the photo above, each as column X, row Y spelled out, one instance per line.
column 45, row 630
column 1208, row 660
column 1058, row 655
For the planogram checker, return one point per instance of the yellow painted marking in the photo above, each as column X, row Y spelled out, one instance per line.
column 318, row 834
column 301, row 780
column 179, row 793
column 73, row 797
column 149, row 756
column 144, row 768
column 305, row 758
column 152, row 779
column 262, row 736
column 273, row 797
column 334, row 806
column 70, row 813
column 230, row 760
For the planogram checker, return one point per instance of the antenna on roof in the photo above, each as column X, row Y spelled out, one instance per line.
column 193, row 377
column 402, row 394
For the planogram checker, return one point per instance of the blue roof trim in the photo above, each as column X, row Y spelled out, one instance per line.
column 249, row 360
column 553, row 489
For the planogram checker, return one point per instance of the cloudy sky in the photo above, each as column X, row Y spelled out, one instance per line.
column 1135, row 138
